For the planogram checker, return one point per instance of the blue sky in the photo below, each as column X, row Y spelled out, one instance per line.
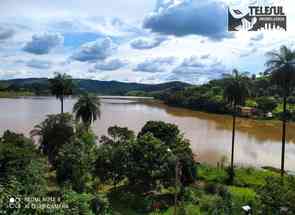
column 147, row 41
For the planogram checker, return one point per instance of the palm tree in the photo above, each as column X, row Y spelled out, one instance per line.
column 87, row 109
column 61, row 86
column 235, row 93
column 281, row 65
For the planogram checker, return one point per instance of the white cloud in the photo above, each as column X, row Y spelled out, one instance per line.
column 147, row 42
column 39, row 64
column 257, row 37
column 110, row 65
column 96, row 50
column 186, row 17
column 197, row 70
column 5, row 33
column 43, row 43
column 155, row 65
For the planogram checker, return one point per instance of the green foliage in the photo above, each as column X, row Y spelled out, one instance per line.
column 41, row 86
column 267, row 104
column 54, row 132
column 87, row 109
column 251, row 103
column 211, row 174
column 124, row 197
column 202, row 97
column 146, row 161
column 214, row 204
column 61, row 85
column 251, row 177
column 237, row 88
column 281, row 66
column 166, row 132
column 242, row 196
column 12, row 94
column 22, row 173
column 170, row 135
column 120, row 134
column 20, row 160
column 75, row 163
column 113, row 155
column 149, row 163
column 277, row 194
column 84, row 204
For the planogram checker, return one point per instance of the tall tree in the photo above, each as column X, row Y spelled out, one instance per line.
column 235, row 93
column 87, row 109
column 281, row 65
column 61, row 86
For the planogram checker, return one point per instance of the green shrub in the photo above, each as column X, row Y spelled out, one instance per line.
column 242, row 196
column 211, row 174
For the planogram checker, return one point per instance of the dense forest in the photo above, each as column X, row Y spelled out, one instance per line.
column 263, row 97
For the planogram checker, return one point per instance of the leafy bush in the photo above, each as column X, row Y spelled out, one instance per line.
column 20, row 159
column 277, row 194
column 242, row 196
column 267, row 104
column 84, row 203
column 22, row 173
column 211, row 174
column 75, row 162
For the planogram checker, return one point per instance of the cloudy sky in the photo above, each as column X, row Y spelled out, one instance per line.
column 147, row 41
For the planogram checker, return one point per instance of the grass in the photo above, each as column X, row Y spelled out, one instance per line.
column 251, row 177
column 244, row 177
column 211, row 174
column 12, row 94
column 242, row 195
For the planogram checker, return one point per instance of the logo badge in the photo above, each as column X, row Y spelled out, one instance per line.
column 257, row 18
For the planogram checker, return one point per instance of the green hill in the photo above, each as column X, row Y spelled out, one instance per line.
column 39, row 86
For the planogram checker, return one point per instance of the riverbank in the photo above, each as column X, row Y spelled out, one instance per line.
column 13, row 94
column 276, row 115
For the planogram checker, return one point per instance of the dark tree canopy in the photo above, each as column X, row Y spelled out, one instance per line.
column 75, row 162
column 166, row 132
column 61, row 85
column 22, row 164
column 148, row 160
column 236, row 88
column 87, row 109
column 281, row 65
column 54, row 132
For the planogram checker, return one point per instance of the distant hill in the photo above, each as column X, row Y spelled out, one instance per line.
column 40, row 86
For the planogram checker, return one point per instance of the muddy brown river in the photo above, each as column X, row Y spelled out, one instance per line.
column 257, row 142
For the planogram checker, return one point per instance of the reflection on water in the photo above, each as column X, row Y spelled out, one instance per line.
column 258, row 142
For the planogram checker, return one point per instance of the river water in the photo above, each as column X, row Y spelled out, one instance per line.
column 257, row 142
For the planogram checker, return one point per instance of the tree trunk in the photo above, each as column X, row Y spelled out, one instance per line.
column 62, row 104
column 233, row 143
column 284, row 136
